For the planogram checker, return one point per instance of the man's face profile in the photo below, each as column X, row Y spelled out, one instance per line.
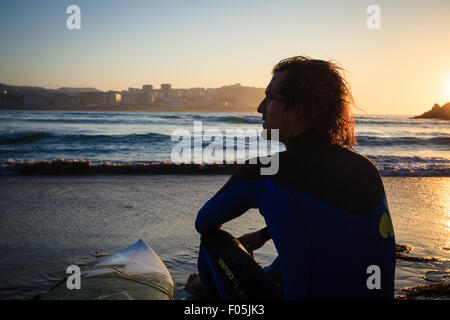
column 275, row 112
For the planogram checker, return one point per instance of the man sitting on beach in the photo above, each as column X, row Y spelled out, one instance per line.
column 325, row 209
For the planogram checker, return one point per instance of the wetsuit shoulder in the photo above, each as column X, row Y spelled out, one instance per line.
column 244, row 172
column 242, row 192
column 335, row 175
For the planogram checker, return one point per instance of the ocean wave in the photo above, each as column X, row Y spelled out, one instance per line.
column 12, row 137
column 145, row 120
column 118, row 139
column 82, row 166
column 25, row 137
column 367, row 140
column 398, row 171
column 398, row 121
column 231, row 119
column 19, row 139
column 388, row 166
column 106, row 121
column 408, row 159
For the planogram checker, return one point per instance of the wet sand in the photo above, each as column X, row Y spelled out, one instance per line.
column 50, row 222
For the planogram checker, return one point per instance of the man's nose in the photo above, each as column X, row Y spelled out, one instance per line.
column 262, row 106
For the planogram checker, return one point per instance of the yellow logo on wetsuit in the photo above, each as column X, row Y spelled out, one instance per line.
column 386, row 229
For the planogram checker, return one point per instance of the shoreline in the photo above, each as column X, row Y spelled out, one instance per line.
column 75, row 167
column 86, row 167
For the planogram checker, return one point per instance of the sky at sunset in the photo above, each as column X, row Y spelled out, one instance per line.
column 402, row 68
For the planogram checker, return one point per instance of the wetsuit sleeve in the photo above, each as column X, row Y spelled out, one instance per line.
column 274, row 271
column 242, row 192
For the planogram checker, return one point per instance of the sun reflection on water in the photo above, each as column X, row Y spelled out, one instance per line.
column 444, row 198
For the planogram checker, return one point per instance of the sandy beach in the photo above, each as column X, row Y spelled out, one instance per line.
column 49, row 223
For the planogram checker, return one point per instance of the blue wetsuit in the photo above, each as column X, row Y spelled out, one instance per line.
column 327, row 214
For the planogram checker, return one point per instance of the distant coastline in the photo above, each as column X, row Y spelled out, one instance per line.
column 232, row 98
column 152, row 108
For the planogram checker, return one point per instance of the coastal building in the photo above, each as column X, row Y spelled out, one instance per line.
column 138, row 97
column 147, row 88
column 63, row 99
column 197, row 92
column 165, row 89
column 134, row 90
column 178, row 93
column 110, row 98
column 35, row 99
column 173, row 101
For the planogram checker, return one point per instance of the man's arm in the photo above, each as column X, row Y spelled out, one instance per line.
column 242, row 192
column 255, row 240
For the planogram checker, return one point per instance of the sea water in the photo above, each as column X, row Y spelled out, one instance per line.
column 398, row 145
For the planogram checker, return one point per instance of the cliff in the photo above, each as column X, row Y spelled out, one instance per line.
column 437, row 112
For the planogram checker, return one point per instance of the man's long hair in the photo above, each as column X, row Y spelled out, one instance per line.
column 321, row 96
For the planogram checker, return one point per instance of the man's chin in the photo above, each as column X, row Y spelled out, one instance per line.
column 266, row 134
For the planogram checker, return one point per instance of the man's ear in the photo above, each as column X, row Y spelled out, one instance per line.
column 296, row 124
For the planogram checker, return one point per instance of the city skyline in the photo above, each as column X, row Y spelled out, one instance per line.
column 233, row 98
column 139, row 86
column 402, row 68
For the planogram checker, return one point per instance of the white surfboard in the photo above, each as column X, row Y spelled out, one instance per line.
column 133, row 273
